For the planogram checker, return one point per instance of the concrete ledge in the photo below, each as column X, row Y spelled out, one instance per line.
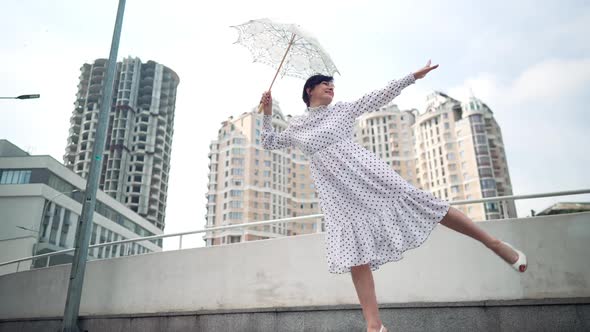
column 448, row 268
column 539, row 315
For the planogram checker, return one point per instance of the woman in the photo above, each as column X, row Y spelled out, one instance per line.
column 372, row 215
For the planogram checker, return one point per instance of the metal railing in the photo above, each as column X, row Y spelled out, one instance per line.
column 273, row 221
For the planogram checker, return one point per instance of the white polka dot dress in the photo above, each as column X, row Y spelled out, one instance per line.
column 372, row 214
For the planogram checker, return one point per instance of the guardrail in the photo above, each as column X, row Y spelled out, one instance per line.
column 273, row 221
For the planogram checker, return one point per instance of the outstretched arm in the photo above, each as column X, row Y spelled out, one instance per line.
column 376, row 99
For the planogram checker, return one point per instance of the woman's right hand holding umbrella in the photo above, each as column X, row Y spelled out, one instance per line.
column 266, row 102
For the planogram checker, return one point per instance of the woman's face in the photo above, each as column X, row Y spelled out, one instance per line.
column 322, row 93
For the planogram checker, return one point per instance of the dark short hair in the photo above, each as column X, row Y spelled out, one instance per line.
column 312, row 82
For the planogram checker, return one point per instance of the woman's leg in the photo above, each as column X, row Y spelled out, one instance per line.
column 362, row 277
column 459, row 222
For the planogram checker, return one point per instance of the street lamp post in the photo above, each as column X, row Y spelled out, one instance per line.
column 35, row 96
column 84, row 229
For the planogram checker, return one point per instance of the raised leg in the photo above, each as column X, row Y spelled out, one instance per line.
column 458, row 221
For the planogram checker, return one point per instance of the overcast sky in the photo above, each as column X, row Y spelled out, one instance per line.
column 529, row 61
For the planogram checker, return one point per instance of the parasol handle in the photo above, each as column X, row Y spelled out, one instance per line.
column 279, row 69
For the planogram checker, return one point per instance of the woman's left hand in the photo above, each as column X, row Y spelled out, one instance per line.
column 425, row 70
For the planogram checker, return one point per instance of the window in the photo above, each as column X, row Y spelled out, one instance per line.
column 93, row 236
column 236, row 193
column 235, row 215
column 235, row 204
column 480, row 139
column 476, row 118
column 492, row 207
column 481, row 150
column 488, row 184
column 486, row 172
column 55, row 224
column 237, row 171
column 8, row 176
column 237, row 161
column 65, row 228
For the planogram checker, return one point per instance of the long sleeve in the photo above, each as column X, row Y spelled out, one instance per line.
column 378, row 98
column 272, row 140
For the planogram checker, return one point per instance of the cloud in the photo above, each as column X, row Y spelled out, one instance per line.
column 547, row 81
column 551, row 80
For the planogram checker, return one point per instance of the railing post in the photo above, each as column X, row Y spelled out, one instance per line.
column 180, row 243
column 17, row 266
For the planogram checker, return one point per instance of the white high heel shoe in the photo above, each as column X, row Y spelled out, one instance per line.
column 521, row 263
column 382, row 328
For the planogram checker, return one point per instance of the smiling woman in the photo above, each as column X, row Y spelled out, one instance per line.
column 372, row 214
column 324, row 91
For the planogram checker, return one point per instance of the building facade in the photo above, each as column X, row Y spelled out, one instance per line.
column 389, row 134
column 40, row 203
column 136, row 163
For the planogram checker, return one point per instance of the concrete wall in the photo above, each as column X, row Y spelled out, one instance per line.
column 291, row 272
column 16, row 242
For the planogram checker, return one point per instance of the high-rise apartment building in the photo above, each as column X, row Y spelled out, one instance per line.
column 248, row 183
column 454, row 150
column 136, row 161
column 389, row 134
